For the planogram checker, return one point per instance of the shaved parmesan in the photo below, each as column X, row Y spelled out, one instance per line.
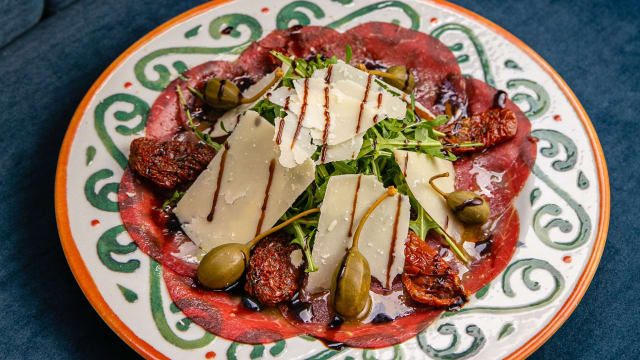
column 418, row 169
column 279, row 96
column 332, row 107
column 382, row 239
column 347, row 150
column 245, row 180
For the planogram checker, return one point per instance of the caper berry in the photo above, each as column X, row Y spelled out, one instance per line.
column 350, row 285
column 223, row 265
column 468, row 207
column 222, row 94
column 399, row 77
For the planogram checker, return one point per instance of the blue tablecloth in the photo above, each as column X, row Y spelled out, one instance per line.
column 46, row 71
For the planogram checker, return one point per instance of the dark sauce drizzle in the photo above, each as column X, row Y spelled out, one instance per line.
column 281, row 125
column 375, row 117
column 280, row 128
column 301, row 309
column 263, row 209
column 250, row 304
column 303, row 109
column 476, row 201
column 392, row 246
column 327, row 118
column 219, row 182
column 223, row 82
column 500, row 100
column 364, row 101
column 406, row 163
column 227, row 30
column 335, row 324
column 381, row 318
column 353, row 207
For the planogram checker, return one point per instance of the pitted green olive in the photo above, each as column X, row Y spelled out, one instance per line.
column 350, row 285
column 223, row 265
column 221, row 94
column 468, row 207
column 399, row 77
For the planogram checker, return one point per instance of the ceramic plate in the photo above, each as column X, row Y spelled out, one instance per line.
column 564, row 207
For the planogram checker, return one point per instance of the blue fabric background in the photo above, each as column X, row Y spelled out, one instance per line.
column 45, row 72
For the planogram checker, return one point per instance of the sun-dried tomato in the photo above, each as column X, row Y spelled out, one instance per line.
column 491, row 127
column 271, row 277
column 169, row 163
column 428, row 278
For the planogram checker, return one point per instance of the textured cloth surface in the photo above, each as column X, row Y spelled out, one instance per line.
column 18, row 16
column 45, row 72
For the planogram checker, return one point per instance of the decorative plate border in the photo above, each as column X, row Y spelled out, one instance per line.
column 91, row 291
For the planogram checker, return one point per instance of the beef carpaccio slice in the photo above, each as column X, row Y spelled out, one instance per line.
column 377, row 45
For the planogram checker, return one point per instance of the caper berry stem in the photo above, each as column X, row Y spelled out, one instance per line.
column 284, row 224
column 196, row 93
column 374, row 72
column 445, row 195
column 391, row 191
column 277, row 76
column 454, row 247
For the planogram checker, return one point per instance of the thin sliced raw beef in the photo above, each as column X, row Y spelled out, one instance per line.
column 387, row 44
column 224, row 315
column 376, row 44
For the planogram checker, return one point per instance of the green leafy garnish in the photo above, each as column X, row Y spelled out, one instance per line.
column 300, row 68
column 269, row 110
column 205, row 138
column 349, row 54
column 173, row 200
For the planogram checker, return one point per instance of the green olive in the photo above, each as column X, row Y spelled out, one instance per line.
column 468, row 207
column 222, row 94
column 399, row 77
column 223, row 265
column 350, row 285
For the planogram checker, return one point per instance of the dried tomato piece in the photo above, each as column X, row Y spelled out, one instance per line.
column 271, row 277
column 169, row 163
column 428, row 278
column 491, row 127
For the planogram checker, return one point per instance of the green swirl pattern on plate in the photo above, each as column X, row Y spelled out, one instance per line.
column 449, row 353
column 555, row 140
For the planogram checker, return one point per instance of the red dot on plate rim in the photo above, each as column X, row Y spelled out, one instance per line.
column 127, row 84
column 265, row 10
column 434, row 20
column 557, row 118
column 95, row 222
column 210, row 355
column 567, row 259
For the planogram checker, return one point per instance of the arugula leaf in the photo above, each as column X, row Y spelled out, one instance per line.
column 268, row 110
column 301, row 67
column 173, row 200
column 423, row 222
column 349, row 54
column 303, row 240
